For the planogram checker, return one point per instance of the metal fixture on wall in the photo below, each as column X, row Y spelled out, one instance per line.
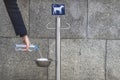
column 58, row 9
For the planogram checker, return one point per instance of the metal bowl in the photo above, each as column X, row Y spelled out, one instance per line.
column 43, row 63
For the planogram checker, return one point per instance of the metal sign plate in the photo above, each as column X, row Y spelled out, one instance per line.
column 58, row 9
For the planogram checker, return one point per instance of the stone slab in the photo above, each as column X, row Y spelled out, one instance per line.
column 80, row 59
column 6, row 28
column 20, row 65
column 42, row 20
column 113, row 60
column 103, row 19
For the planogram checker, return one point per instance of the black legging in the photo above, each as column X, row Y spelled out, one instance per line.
column 16, row 17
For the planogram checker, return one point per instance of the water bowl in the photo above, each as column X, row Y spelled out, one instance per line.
column 43, row 62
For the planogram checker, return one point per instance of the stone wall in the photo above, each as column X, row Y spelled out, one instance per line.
column 90, row 48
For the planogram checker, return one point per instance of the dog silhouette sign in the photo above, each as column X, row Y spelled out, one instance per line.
column 58, row 9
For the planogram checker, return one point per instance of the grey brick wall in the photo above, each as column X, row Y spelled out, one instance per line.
column 89, row 49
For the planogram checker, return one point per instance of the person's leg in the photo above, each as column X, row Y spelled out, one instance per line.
column 16, row 17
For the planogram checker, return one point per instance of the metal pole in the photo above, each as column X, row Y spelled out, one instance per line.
column 58, row 54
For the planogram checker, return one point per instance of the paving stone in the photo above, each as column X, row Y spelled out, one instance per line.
column 113, row 60
column 103, row 19
column 80, row 59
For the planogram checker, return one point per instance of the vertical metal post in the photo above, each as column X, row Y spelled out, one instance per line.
column 58, row 53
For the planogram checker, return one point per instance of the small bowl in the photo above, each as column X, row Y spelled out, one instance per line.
column 43, row 62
